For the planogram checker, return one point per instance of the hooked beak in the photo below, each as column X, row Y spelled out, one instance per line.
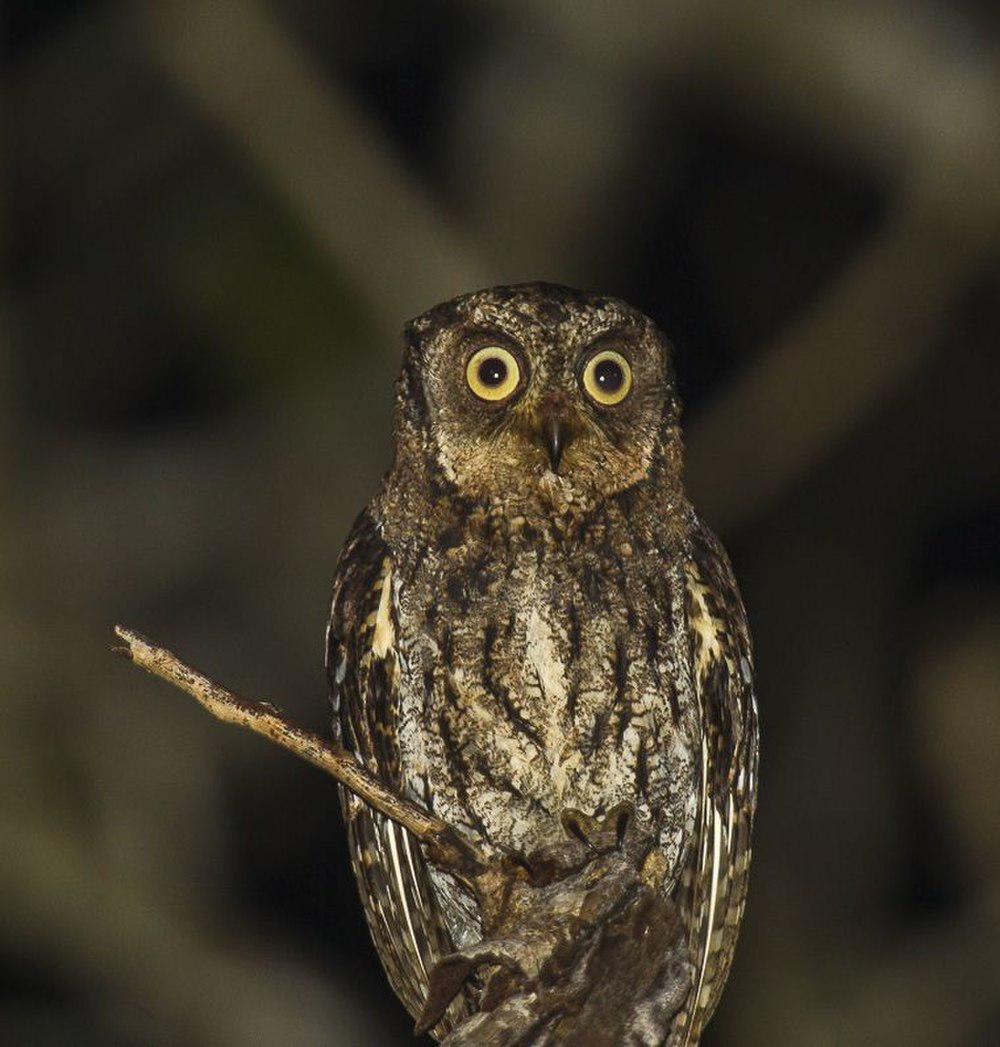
column 554, row 437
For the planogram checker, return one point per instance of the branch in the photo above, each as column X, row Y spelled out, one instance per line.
column 446, row 848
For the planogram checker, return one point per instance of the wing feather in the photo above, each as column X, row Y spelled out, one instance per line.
column 715, row 882
column 395, row 884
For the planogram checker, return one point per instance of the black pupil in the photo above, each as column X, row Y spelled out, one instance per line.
column 609, row 376
column 493, row 371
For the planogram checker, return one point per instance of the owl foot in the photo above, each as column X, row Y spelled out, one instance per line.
column 588, row 837
column 580, row 945
column 599, row 834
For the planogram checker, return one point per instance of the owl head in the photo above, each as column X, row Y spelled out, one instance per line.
column 537, row 392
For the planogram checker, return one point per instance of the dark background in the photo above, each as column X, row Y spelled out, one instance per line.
column 220, row 216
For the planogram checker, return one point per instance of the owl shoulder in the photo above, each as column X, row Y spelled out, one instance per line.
column 361, row 639
column 721, row 655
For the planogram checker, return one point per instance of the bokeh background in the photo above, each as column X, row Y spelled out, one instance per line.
column 220, row 214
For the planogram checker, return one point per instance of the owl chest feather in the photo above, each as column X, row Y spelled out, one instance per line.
column 530, row 617
column 536, row 681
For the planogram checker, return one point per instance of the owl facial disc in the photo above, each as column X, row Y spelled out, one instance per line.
column 510, row 389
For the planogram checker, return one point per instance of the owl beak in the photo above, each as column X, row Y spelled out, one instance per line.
column 554, row 434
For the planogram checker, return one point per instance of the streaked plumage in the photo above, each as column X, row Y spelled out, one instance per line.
column 530, row 616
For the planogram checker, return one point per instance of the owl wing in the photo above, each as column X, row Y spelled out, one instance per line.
column 716, row 878
column 363, row 670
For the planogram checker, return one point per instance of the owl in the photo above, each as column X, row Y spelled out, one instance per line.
column 530, row 616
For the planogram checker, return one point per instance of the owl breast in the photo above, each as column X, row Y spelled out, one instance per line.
column 536, row 683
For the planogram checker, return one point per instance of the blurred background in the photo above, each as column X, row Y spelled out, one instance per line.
column 221, row 215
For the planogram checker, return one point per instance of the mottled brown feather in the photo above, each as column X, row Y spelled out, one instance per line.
column 508, row 640
column 391, row 872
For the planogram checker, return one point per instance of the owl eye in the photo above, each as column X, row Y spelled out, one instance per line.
column 493, row 373
column 607, row 378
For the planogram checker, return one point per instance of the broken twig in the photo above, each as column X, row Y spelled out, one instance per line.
column 446, row 848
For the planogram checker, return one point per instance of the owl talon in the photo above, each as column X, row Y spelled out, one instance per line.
column 600, row 833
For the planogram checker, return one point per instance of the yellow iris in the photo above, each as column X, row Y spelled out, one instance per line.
column 493, row 373
column 607, row 378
